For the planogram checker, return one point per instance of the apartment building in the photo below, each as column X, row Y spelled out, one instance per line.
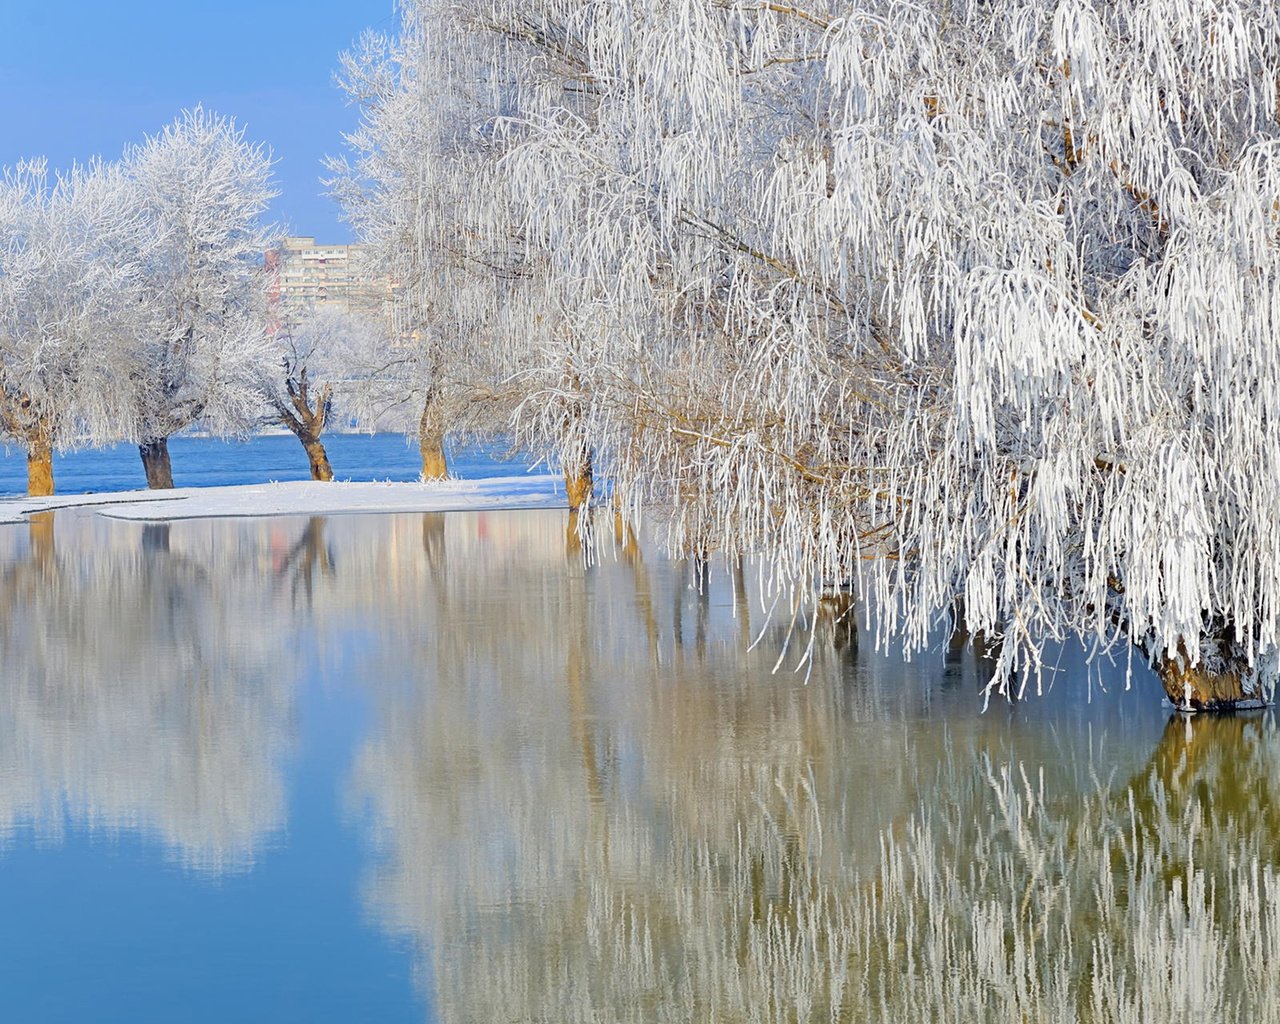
column 311, row 277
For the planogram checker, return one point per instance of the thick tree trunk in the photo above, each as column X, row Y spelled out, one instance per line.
column 307, row 420
column 318, row 458
column 431, row 441
column 573, row 532
column 40, row 468
column 156, row 464
column 434, row 466
column 578, row 482
column 1191, row 688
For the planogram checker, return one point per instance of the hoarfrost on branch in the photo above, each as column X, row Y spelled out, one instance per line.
column 974, row 303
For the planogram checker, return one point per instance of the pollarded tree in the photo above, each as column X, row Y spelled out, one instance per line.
column 326, row 359
column 69, row 264
column 426, row 195
column 969, row 301
column 202, row 188
column 387, row 197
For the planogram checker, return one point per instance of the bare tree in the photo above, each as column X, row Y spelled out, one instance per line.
column 424, row 192
column 324, row 360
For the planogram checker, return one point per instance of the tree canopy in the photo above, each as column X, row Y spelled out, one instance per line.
column 973, row 303
column 133, row 296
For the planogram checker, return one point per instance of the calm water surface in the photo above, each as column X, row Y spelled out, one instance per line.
column 211, row 462
column 437, row 768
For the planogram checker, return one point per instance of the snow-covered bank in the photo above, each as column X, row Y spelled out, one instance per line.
column 302, row 498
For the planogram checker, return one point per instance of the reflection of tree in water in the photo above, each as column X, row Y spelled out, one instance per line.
column 306, row 561
column 143, row 687
column 596, row 805
column 575, row 829
column 1155, row 900
column 568, row 793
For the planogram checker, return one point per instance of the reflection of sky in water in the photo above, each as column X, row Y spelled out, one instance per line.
column 104, row 927
column 372, row 768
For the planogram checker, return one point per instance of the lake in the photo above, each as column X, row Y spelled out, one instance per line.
column 443, row 767
column 210, row 462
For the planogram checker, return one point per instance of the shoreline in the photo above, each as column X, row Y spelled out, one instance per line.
column 301, row 498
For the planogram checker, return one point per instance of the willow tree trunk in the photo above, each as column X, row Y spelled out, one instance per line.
column 318, row 458
column 305, row 415
column 156, row 464
column 578, row 481
column 40, row 467
column 431, row 440
column 1192, row 688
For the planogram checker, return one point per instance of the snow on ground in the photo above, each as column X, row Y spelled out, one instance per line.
column 304, row 498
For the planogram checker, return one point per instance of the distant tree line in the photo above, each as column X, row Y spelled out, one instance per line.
column 134, row 304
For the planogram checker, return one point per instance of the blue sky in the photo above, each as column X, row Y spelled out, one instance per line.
column 80, row 78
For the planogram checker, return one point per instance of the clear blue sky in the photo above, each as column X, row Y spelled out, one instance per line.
column 81, row 78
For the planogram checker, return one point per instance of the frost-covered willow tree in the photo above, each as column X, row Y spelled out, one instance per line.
column 326, row 361
column 426, row 193
column 69, row 263
column 202, row 189
column 975, row 303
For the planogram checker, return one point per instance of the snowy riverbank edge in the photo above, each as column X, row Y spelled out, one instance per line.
column 303, row 498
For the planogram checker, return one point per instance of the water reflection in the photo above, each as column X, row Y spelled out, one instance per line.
column 583, row 817
column 143, row 689
column 585, row 794
column 308, row 560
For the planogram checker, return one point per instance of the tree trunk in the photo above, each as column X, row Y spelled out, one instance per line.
column 1191, row 688
column 434, row 466
column 318, row 458
column 156, row 464
column 40, row 468
column 578, row 482
column 431, row 441
column 307, row 421
column 573, row 534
